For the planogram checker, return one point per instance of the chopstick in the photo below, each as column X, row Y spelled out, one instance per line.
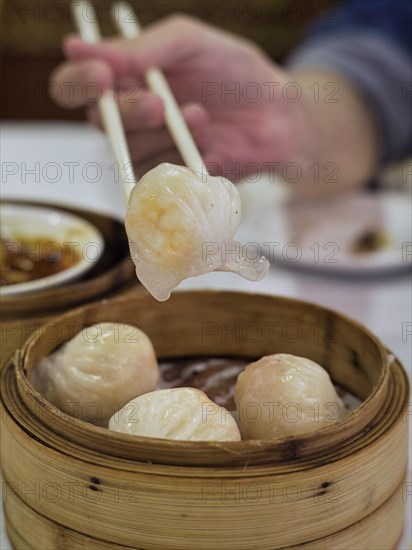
column 157, row 82
column 89, row 31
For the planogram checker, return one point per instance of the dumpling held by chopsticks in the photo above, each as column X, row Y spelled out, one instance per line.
column 181, row 224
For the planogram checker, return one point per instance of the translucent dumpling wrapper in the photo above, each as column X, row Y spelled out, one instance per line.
column 181, row 224
column 98, row 371
column 184, row 414
column 283, row 395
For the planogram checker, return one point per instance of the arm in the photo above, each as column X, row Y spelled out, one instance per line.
column 210, row 71
column 342, row 148
column 368, row 43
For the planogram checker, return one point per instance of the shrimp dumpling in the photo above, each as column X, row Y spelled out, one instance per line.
column 185, row 414
column 98, row 371
column 282, row 395
column 181, row 224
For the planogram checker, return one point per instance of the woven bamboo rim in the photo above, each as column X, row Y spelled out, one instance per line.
column 333, row 496
column 357, row 361
column 185, row 492
column 33, row 531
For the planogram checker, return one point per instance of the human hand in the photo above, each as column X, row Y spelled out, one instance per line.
column 230, row 93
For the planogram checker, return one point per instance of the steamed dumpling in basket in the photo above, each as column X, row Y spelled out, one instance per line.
column 182, row 224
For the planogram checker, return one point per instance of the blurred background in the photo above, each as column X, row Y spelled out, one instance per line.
column 33, row 31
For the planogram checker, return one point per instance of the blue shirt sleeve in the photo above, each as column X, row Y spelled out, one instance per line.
column 369, row 42
column 389, row 18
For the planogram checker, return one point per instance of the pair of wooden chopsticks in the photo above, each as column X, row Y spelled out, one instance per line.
column 87, row 25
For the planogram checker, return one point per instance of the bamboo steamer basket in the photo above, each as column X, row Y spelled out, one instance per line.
column 78, row 486
column 21, row 315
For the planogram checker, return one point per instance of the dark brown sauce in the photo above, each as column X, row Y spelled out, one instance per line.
column 23, row 260
column 370, row 241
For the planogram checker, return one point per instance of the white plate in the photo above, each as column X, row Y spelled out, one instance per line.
column 57, row 226
column 321, row 234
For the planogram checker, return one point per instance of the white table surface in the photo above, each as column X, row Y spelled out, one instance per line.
column 383, row 305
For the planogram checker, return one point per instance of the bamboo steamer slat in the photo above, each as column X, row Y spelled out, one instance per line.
column 17, row 541
column 377, row 531
column 162, row 516
column 340, row 482
column 21, row 316
column 361, row 488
